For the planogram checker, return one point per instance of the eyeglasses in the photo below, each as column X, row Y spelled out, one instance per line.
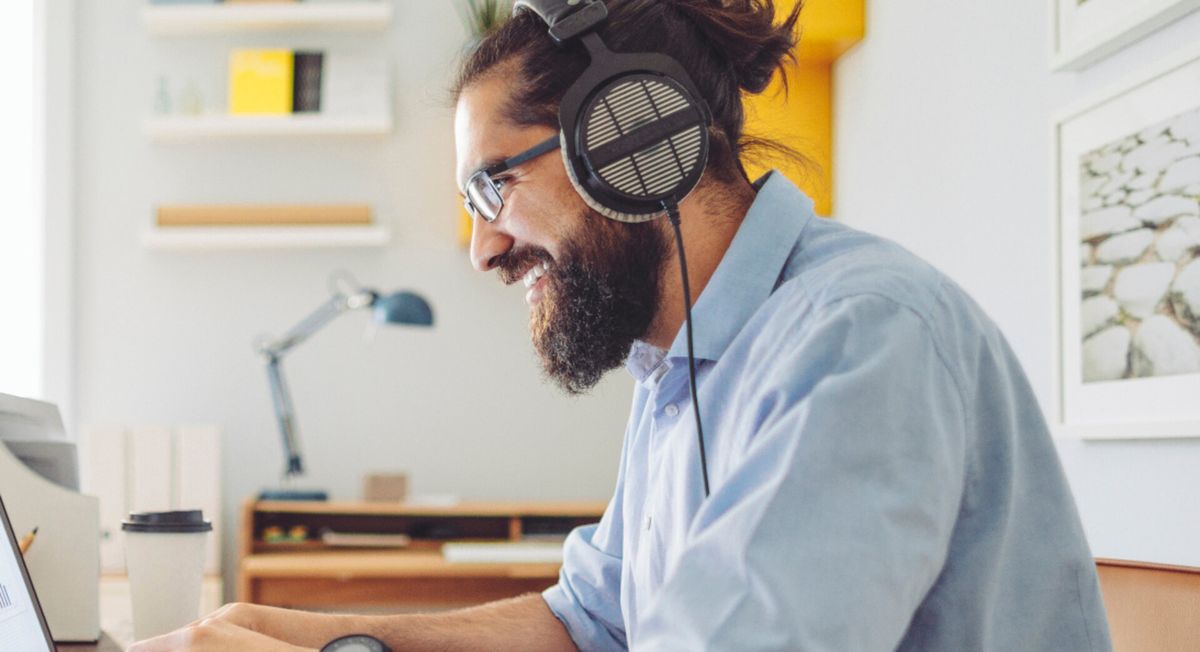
column 482, row 192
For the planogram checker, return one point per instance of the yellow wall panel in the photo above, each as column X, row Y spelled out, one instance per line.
column 830, row 27
column 799, row 114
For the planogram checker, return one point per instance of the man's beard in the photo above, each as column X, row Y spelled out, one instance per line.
column 600, row 295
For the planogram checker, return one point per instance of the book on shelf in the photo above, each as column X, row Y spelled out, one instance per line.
column 260, row 81
column 284, row 82
column 306, row 82
column 213, row 215
column 335, row 539
column 354, row 83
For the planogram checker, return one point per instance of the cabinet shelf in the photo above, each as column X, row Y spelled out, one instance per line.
column 205, row 127
column 267, row 237
column 420, row 577
column 175, row 20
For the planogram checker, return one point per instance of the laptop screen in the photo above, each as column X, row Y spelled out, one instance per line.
column 22, row 625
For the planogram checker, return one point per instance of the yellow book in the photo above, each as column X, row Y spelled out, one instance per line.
column 260, row 82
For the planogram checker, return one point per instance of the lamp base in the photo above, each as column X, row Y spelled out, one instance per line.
column 283, row 493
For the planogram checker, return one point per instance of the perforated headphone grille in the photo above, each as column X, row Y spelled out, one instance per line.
column 648, row 170
column 630, row 105
column 656, row 170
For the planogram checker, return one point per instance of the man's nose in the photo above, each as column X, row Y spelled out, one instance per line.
column 488, row 244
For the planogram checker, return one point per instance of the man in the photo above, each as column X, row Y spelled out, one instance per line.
column 881, row 477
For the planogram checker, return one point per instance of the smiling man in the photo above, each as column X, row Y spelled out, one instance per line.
column 878, row 463
column 878, row 475
column 593, row 284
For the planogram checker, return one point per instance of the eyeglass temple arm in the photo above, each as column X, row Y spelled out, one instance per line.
column 550, row 143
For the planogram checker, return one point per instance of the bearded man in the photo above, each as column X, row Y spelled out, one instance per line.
column 878, row 476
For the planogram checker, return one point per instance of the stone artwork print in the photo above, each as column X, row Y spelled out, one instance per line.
column 1140, row 253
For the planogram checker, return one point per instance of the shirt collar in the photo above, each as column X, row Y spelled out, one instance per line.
column 646, row 363
column 750, row 268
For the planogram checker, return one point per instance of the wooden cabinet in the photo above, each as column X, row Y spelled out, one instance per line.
column 312, row 575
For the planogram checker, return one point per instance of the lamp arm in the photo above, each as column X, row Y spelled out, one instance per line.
column 274, row 351
column 284, row 416
column 317, row 319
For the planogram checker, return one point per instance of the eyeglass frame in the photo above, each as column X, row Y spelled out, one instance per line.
column 489, row 173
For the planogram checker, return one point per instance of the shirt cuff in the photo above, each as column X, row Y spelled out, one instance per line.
column 587, row 634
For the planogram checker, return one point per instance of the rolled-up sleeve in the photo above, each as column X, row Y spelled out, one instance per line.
column 587, row 598
column 833, row 523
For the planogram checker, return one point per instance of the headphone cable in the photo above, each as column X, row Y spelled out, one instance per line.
column 673, row 215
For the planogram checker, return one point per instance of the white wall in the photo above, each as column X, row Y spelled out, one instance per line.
column 22, row 250
column 166, row 337
column 942, row 143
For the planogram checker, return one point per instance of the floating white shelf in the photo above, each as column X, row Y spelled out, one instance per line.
column 273, row 237
column 170, row 20
column 204, row 127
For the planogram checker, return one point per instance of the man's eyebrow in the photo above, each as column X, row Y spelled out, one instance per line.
column 483, row 165
column 491, row 162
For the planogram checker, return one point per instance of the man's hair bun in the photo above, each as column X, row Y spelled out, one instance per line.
column 745, row 34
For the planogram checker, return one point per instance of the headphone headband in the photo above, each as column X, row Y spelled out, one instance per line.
column 567, row 19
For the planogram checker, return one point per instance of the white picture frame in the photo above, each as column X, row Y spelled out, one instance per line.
column 1085, row 31
column 1158, row 406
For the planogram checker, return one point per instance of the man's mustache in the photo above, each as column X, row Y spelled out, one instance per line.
column 512, row 265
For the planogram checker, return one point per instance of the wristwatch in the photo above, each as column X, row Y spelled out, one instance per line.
column 356, row 643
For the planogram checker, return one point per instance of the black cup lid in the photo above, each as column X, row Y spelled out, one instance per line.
column 182, row 521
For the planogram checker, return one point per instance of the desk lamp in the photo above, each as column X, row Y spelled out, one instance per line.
column 347, row 295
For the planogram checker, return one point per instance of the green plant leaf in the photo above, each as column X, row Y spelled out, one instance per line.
column 482, row 16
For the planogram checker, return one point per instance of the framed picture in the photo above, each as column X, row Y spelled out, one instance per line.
column 1086, row 31
column 1127, row 230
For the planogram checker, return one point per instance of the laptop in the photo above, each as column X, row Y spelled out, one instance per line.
column 22, row 623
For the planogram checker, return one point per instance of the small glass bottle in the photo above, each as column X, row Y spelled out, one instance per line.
column 162, row 97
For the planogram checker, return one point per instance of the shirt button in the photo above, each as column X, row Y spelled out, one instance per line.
column 671, row 410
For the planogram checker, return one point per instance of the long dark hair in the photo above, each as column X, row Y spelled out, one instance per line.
column 727, row 46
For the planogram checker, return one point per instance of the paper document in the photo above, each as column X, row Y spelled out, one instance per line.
column 503, row 552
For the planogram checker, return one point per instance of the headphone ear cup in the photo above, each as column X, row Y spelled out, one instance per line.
column 634, row 143
column 592, row 202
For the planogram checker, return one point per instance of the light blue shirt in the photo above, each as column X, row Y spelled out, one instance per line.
column 882, row 477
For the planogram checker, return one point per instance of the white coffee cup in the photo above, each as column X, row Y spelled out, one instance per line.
column 164, row 554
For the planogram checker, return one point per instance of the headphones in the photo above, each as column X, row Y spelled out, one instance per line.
column 634, row 129
column 634, row 134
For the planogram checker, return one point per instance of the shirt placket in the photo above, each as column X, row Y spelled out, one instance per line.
column 669, row 400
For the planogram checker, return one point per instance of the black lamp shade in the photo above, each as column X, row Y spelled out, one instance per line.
column 402, row 308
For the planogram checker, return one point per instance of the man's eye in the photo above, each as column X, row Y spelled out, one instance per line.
column 500, row 182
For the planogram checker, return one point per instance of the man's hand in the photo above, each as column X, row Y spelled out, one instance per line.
column 522, row 623
column 215, row 634
column 282, row 624
column 272, row 624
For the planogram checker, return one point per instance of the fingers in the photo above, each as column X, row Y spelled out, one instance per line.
column 238, row 613
column 179, row 639
column 232, row 627
column 200, row 636
column 213, row 635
